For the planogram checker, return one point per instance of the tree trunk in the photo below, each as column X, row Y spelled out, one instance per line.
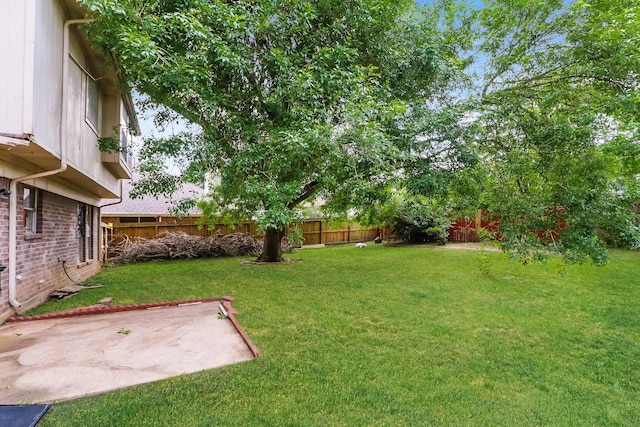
column 271, row 249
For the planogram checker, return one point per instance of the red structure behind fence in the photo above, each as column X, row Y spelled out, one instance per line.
column 466, row 229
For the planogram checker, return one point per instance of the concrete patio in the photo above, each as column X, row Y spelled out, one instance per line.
column 62, row 358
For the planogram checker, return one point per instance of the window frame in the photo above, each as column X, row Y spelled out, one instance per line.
column 92, row 88
column 85, row 232
column 32, row 212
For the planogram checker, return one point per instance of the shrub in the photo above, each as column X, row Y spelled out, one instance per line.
column 420, row 220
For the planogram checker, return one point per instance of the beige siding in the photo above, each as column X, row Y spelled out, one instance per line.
column 16, row 73
column 83, row 149
column 31, row 62
column 48, row 74
column 83, row 154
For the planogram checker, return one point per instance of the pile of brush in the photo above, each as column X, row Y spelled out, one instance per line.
column 182, row 246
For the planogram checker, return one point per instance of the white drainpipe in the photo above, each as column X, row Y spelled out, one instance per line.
column 119, row 197
column 13, row 197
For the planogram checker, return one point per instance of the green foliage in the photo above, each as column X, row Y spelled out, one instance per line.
column 295, row 236
column 293, row 100
column 112, row 144
column 559, row 113
column 418, row 219
column 296, row 101
column 109, row 144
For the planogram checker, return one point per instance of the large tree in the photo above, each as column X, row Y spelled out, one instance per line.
column 549, row 144
column 294, row 100
column 558, row 117
column 349, row 100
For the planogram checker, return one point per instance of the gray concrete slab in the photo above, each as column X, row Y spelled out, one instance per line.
column 44, row 361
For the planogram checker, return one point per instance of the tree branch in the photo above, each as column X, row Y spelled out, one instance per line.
column 307, row 191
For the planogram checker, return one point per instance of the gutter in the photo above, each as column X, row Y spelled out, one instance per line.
column 13, row 197
column 119, row 197
column 12, row 140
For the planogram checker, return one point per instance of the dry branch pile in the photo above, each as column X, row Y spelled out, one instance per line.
column 182, row 246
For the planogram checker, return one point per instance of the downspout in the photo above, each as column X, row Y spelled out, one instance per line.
column 119, row 197
column 13, row 197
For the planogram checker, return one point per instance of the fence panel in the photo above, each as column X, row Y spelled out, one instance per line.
column 463, row 230
column 466, row 229
column 312, row 232
column 142, row 231
column 358, row 235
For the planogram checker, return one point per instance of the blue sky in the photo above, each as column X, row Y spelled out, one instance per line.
column 476, row 3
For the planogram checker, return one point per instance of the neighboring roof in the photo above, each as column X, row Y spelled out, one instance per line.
column 150, row 205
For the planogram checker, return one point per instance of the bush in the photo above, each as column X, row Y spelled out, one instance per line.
column 420, row 220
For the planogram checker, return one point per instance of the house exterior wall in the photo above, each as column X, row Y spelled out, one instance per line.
column 40, row 256
column 47, row 75
column 17, row 29
column 31, row 52
column 82, row 153
column 31, row 129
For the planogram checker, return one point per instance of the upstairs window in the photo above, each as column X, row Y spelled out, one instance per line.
column 92, row 111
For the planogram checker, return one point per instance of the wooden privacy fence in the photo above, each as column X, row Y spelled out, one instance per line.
column 465, row 229
column 314, row 231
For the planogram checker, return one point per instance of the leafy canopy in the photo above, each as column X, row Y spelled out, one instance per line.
column 559, row 113
column 294, row 100
column 346, row 100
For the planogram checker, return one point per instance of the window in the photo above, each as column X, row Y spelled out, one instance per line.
column 92, row 112
column 124, row 142
column 130, row 219
column 32, row 210
column 125, row 131
column 85, row 232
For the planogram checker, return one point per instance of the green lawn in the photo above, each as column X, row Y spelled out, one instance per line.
column 391, row 336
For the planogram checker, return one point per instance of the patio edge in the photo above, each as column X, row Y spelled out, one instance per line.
column 105, row 309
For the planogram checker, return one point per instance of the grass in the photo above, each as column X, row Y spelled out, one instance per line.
column 392, row 336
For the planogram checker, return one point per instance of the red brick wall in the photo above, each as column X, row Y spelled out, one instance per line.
column 39, row 266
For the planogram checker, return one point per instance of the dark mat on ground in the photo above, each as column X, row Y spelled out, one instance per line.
column 22, row 415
